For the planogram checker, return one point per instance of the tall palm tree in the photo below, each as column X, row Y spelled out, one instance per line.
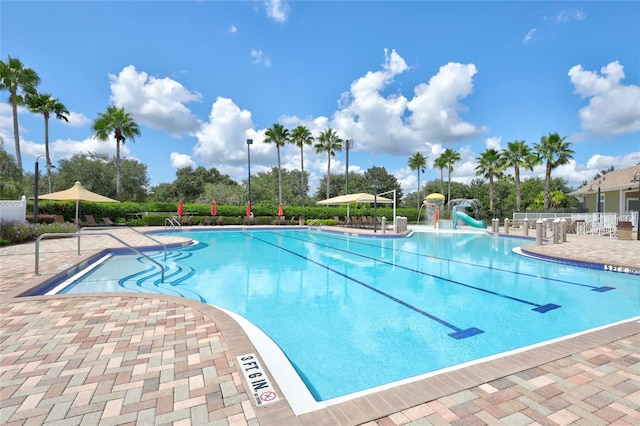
column 439, row 163
column 490, row 165
column 45, row 104
column 418, row 162
column 120, row 122
column 556, row 152
column 516, row 155
column 279, row 135
column 301, row 136
column 328, row 142
column 449, row 158
column 14, row 77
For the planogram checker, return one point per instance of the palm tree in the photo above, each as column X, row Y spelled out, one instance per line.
column 448, row 158
column 279, row 135
column 120, row 122
column 301, row 136
column 15, row 77
column 45, row 104
column 518, row 154
column 556, row 152
column 490, row 164
column 418, row 162
column 328, row 142
column 439, row 163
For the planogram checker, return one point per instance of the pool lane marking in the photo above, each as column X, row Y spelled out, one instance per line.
column 458, row 333
column 538, row 307
column 601, row 289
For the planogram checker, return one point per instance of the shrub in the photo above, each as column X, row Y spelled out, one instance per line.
column 15, row 232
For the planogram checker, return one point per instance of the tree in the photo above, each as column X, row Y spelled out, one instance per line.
column 448, row 158
column 556, row 152
column 440, row 163
column 328, row 142
column 45, row 104
column 10, row 177
column 15, row 78
column 418, row 162
column 518, row 154
column 490, row 164
column 120, row 122
column 279, row 135
column 385, row 180
column 97, row 173
column 301, row 136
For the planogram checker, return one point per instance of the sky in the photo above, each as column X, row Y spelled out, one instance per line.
column 395, row 77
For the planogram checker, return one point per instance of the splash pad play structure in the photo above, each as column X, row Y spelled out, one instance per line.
column 434, row 202
column 458, row 205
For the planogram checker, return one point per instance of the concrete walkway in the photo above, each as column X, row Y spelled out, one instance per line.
column 149, row 359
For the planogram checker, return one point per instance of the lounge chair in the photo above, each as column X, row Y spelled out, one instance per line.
column 107, row 221
column 185, row 220
column 58, row 218
column 207, row 220
column 247, row 220
column 91, row 221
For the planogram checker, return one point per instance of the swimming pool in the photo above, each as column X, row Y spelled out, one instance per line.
column 353, row 313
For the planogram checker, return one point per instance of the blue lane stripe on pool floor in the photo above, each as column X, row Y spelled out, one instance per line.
column 458, row 332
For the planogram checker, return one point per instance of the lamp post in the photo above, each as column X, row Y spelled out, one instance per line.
column 598, row 199
column 347, row 144
column 375, row 206
column 636, row 178
column 35, row 190
column 249, row 143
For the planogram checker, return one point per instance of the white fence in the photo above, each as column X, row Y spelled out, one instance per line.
column 13, row 209
column 583, row 223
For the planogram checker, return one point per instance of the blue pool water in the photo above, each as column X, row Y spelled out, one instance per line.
column 352, row 313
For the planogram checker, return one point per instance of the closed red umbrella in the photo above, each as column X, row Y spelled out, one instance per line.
column 180, row 208
column 214, row 210
column 280, row 212
column 248, row 208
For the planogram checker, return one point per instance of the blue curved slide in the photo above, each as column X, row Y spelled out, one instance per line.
column 470, row 221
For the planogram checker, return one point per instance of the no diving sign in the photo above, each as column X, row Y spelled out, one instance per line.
column 261, row 389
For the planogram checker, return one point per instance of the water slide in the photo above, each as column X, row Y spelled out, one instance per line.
column 469, row 220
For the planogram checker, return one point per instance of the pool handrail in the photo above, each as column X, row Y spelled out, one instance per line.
column 77, row 235
column 130, row 228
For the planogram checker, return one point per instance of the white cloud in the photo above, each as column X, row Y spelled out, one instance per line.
column 156, row 102
column 233, row 29
column 613, row 107
column 494, row 143
column 180, row 161
column 529, row 36
column 259, row 58
column 571, row 15
column 77, row 119
column 278, row 10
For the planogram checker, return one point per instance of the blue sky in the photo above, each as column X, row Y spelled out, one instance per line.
column 395, row 77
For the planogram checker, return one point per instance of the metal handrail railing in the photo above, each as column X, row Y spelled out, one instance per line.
column 315, row 222
column 77, row 235
column 130, row 229
column 173, row 222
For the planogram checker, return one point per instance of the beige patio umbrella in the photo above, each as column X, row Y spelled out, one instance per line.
column 77, row 193
column 349, row 199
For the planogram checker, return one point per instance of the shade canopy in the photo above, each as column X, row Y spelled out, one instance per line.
column 280, row 212
column 180, row 208
column 77, row 193
column 214, row 209
column 354, row 199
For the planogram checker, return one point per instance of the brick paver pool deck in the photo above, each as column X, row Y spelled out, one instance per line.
column 130, row 358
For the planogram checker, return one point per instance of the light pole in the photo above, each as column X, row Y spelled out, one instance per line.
column 249, row 143
column 347, row 144
column 35, row 191
column 375, row 206
column 598, row 199
column 636, row 178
